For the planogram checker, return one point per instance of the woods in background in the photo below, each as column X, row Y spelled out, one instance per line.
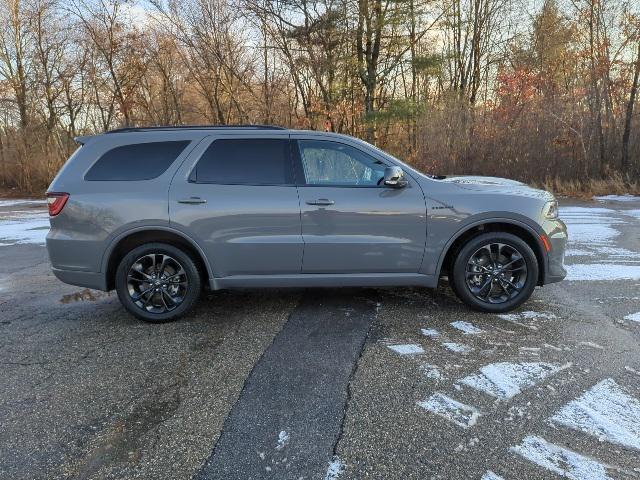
column 542, row 91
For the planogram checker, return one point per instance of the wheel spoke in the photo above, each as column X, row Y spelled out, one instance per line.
column 137, row 298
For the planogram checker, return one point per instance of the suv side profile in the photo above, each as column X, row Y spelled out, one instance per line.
column 158, row 213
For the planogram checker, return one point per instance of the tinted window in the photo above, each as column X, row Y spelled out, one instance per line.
column 253, row 161
column 141, row 161
column 331, row 163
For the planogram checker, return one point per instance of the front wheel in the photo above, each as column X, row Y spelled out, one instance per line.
column 157, row 282
column 495, row 272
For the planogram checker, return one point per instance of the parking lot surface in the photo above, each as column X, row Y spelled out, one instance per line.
column 326, row 384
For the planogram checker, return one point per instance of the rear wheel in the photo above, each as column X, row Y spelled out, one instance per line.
column 495, row 272
column 157, row 282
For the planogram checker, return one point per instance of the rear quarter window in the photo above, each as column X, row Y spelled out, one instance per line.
column 139, row 161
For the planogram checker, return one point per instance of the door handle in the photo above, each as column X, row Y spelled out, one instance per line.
column 192, row 201
column 321, row 202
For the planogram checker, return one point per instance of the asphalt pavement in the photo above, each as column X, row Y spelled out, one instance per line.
column 330, row 383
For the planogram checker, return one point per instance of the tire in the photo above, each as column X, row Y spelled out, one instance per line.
column 138, row 272
column 512, row 282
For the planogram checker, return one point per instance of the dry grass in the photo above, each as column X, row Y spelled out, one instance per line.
column 586, row 189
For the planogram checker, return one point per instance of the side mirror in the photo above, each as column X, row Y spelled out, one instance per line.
column 394, row 177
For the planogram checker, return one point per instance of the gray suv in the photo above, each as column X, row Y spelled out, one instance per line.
column 158, row 213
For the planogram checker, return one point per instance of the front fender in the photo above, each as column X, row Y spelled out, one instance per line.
column 436, row 254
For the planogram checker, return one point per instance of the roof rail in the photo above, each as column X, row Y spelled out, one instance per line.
column 195, row 127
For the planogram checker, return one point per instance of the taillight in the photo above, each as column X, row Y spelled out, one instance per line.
column 56, row 202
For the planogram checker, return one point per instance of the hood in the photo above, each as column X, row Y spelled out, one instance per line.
column 477, row 180
column 496, row 185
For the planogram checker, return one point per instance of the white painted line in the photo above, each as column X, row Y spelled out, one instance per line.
column 559, row 460
column 336, row 467
column 466, row 327
column 634, row 317
column 605, row 411
column 489, row 475
column 407, row 349
column 505, row 380
column 463, row 415
column 457, row 347
column 429, row 332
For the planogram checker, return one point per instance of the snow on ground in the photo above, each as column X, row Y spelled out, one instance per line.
column 602, row 271
column 605, row 411
column 505, row 380
column 23, row 230
column 429, row 332
column 593, row 236
column 450, row 409
column 407, row 349
column 634, row 317
column 489, row 475
column 20, row 201
column 466, row 327
column 23, row 225
column 283, row 440
column 559, row 460
column 616, row 198
column 431, row 371
column 336, row 467
column 457, row 347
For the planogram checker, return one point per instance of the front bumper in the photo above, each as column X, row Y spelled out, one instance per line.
column 556, row 232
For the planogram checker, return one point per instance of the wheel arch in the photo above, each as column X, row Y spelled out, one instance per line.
column 515, row 227
column 131, row 239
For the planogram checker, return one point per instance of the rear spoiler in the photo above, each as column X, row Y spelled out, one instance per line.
column 83, row 139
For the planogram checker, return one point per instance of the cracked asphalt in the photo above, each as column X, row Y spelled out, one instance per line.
column 314, row 384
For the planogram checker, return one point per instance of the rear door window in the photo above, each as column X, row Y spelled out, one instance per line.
column 140, row 161
column 245, row 161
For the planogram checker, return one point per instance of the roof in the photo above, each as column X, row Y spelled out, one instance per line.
column 195, row 127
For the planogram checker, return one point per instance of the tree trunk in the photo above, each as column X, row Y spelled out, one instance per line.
column 625, row 164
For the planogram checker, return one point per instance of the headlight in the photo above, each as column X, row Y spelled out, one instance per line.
column 550, row 210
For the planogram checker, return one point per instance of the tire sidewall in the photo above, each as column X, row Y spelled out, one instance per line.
column 460, row 264
column 193, row 276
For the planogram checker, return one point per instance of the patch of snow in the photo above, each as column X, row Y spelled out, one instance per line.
column 616, row 198
column 595, row 272
column 283, row 440
column 592, row 345
column 457, row 347
column 429, row 332
column 335, row 469
column 431, row 371
column 632, row 213
column 489, row 475
column 505, row 380
column 462, row 415
column 21, row 201
column 634, row 317
column 407, row 349
column 605, row 411
column 26, row 230
column 576, row 252
column 559, row 460
column 591, row 232
column 466, row 327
